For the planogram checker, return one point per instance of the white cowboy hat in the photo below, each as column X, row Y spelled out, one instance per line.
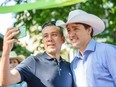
column 79, row 16
column 13, row 55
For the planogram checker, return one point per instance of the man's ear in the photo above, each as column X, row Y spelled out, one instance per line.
column 89, row 30
column 63, row 39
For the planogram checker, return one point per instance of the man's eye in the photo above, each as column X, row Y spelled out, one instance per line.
column 76, row 29
column 68, row 30
column 54, row 34
column 45, row 36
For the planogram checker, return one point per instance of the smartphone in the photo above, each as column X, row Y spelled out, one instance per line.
column 22, row 32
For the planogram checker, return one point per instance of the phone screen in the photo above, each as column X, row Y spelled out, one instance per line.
column 22, row 32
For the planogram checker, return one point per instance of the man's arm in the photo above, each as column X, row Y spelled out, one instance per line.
column 8, row 77
column 111, row 61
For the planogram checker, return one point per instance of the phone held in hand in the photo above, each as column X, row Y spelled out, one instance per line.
column 22, row 32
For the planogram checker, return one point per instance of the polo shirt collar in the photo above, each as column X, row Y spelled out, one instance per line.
column 46, row 56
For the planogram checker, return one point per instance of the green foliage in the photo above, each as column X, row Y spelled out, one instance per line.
column 33, row 19
column 105, row 9
column 21, row 50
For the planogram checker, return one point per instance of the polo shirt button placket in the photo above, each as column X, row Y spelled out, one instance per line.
column 59, row 67
column 48, row 80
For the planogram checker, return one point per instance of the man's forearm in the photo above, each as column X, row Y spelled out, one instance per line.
column 4, row 69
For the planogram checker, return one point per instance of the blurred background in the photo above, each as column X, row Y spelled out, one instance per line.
column 33, row 13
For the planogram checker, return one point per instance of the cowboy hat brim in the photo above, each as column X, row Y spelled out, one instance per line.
column 95, row 22
column 20, row 59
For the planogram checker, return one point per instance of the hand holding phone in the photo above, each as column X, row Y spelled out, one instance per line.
column 22, row 32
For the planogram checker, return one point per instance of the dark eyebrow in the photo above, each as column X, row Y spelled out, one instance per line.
column 73, row 25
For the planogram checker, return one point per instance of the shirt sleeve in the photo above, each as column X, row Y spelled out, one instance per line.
column 26, row 68
column 111, row 60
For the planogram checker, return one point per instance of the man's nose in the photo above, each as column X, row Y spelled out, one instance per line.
column 49, row 38
column 71, row 33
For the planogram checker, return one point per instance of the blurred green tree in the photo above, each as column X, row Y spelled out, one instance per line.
column 33, row 19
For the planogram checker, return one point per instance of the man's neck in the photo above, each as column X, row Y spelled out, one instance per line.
column 82, row 49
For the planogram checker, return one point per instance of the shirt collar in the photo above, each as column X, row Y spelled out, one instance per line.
column 90, row 47
column 46, row 56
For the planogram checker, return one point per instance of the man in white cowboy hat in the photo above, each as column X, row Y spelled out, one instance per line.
column 94, row 64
